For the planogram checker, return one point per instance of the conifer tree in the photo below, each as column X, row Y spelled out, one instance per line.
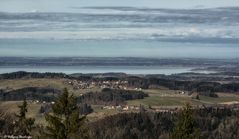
column 23, row 125
column 65, row 122
column 185, row 127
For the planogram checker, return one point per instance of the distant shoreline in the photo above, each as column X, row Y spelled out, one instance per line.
column 128, row 65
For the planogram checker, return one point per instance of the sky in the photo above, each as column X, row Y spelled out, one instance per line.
column 66, row 5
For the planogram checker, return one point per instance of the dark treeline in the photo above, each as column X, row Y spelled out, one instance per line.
column 84, row 77
column 133, row 126
column 111, row 96
column 106, row 96
column 208, row 94
column 85, row 109
column 23, row 74
column 30, row 93
column 212, row 124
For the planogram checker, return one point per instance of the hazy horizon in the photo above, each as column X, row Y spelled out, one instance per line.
column 66, row 5
column 126, row 28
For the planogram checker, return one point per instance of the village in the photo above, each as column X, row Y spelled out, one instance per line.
column 121, row 84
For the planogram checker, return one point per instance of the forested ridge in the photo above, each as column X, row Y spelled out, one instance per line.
column 210, row 123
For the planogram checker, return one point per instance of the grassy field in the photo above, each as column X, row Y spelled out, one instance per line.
column 165, row 97
column 51, row 83
column 21, row 83
column 33, row 109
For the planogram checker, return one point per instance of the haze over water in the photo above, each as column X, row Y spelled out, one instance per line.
column 110, row 31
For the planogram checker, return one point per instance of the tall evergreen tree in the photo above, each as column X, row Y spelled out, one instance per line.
column 23, row 125
column 185, row 127
column 65, row 122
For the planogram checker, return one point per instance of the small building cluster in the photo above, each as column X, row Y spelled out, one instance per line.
column 120, row 84
column 121, row 108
